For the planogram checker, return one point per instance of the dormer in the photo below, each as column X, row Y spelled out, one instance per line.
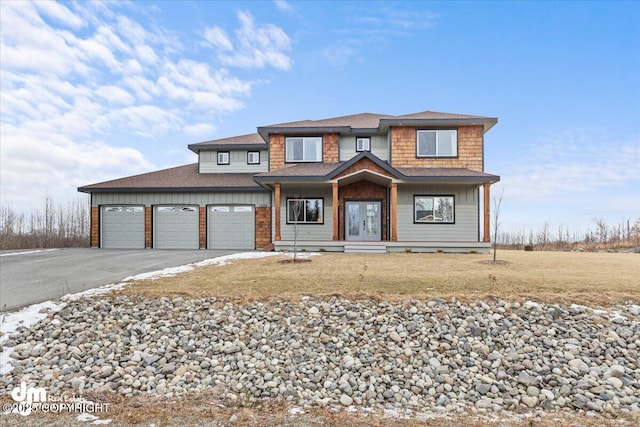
column 239, row 154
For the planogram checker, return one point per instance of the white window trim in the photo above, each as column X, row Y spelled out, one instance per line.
column 223, row 162
column 288, row 151
column 368, row 146
column 249, row 162
column 437, row 132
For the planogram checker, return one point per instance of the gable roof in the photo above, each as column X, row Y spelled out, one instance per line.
column 371, row 123
column 178, row 179
column 252, row 141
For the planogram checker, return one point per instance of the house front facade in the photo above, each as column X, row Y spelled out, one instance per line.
column 361, row 183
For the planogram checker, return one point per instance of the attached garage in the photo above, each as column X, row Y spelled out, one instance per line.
column 231, row 227
column 122, row 227
column 176, row 227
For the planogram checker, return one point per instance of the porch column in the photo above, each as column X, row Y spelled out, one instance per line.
column 487, row 214
column 394, row 212
column 276, row 196
column 336, row 203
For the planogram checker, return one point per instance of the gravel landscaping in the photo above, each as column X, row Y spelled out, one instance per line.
column 403, row 356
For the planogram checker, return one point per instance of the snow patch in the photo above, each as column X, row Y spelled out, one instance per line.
column 303, row 254
column 224, row 260
column 28, row 252
column 296, row 410
column 84, row 417
column 27, row 317
column 167, row 272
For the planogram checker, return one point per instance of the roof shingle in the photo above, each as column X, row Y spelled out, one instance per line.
column 180, row 178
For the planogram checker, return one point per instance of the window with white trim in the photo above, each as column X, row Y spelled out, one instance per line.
column 437, row 143
column 223, row 157
column 305, row 211
column 363, row 144
column 303, row 149
column 253, row 157
column 434, row 209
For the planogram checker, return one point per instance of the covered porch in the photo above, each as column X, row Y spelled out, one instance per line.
column 370, row 207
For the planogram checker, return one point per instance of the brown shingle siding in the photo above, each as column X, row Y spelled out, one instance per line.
column 95, row 227
column 202, row 232
column 470, row 139
column 148, row 227
column 330, row 144
column 263, row 227
column 276, row 152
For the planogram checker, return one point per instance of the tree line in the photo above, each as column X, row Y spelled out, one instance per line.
column 599, row 236
column 53, row 225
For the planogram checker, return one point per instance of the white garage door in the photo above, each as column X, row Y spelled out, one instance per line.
column 231, row 227
column 176, row 227
column 122, row 227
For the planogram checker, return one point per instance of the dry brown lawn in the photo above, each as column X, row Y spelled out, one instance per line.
column 595, row 279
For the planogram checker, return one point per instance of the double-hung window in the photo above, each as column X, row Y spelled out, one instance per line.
column 223, row 157
column 437, row 143
column 253, row 157
column 305, row 211
column 303, row 149
column 434, row 209
column 363, row 144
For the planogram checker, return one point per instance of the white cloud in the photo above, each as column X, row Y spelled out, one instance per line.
column 254, row 46
column 199, row 130
column 570, row 178
column 60, row 13
column 216, row 37
column 371, row 26
column 284, row 5
column 81, row 82
column 573, row 162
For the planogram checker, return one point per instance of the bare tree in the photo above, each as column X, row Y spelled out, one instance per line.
column 497, row 203
column 298, row 208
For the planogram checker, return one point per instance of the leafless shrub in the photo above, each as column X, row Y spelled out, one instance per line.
column 52, row 226
column 621, row 236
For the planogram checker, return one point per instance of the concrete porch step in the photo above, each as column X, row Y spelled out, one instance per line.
column 363, row 248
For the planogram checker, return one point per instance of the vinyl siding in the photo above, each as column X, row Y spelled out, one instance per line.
column 465, row 228
column 200, row 199
column 237, row 162
column 307, row 231
column 379, row 147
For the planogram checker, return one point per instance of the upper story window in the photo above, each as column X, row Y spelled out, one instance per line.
column 253, row 157
column 437, row 143
column 363, row 144
column 303, row 149
column 223, row 157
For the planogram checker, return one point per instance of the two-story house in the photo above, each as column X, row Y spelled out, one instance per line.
column 365, row 182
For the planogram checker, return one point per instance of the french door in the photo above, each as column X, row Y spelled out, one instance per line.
column 363, row 220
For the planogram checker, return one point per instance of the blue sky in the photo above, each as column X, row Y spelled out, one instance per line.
column 99, row 90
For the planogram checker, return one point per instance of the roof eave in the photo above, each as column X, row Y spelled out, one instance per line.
column 454, row 179
column 167, row 189
column 265, row 131
column 196, row 148
column 486, row 122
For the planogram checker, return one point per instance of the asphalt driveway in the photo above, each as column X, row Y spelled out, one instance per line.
column 29, row 277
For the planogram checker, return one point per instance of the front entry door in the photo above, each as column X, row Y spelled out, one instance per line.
column 362, row 220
